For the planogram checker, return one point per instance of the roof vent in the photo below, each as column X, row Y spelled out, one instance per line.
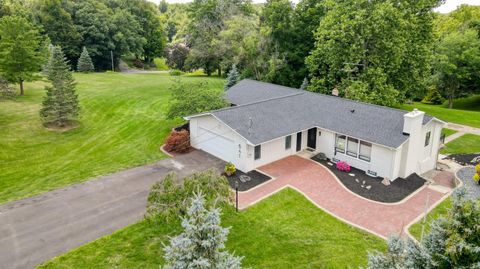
column 353, row 110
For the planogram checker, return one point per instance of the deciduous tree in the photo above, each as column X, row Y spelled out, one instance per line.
column 22, row 50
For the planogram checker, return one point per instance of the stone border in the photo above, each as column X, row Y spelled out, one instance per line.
column 166, row 152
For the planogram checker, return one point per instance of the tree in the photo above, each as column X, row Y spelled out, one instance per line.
column 456, row 64
column 58, row 25
column 85, row 62
column 189, row 99
column 176, row 55
column 22, row 50
column 452, row 242
column 379, row 49
column 201, row 243
column 232, row 78
column 163, row 6
column 60, row 104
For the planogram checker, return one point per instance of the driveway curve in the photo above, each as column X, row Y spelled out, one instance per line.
column 322, row 188
column 36, row 229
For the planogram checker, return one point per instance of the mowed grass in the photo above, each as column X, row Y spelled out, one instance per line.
column 448, row 132
column 283, row 231
column 440, row 210
column 122, row 125
column 467, row 143
column 465, row 111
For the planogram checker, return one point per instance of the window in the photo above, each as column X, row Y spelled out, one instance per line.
column 340, row 143
column 288, row 142
column 427, row 139
column 365, row 151
column 258, row 152
column 352, row 147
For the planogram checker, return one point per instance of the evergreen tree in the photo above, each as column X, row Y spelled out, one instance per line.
column 85, row 63
column 304, row 85
column 60, row 104
column 232, row 78
column 200, row 244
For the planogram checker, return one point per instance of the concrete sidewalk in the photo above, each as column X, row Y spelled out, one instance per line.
column 36, row 229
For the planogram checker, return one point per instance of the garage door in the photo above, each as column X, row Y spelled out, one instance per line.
column 216, row 145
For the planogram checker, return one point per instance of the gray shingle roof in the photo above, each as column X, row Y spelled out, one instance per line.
column 249, row 91
column 275, row 115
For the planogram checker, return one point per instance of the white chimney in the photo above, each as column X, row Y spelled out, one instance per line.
column 413, row 127
column 412, row 122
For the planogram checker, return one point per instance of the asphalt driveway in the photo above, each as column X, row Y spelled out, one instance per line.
column 36, row 229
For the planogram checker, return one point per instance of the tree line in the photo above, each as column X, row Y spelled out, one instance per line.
column 103, row 27
column 383, row 52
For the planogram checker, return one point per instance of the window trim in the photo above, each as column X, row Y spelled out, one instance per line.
column 362, row 157
column 288, row 142
column 337, row 149
column 428, row 137
column 351, row 153
column 359, row 142
column 257, row 152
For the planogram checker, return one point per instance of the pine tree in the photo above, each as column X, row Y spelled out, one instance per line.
column 85, row 63
column 304, row 85
column 232, row 78
column 200, row 244
column 60, row 104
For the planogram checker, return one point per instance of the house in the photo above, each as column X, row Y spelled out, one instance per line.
column 268, row 122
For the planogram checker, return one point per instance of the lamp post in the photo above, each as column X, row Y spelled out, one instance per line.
column 236, row 195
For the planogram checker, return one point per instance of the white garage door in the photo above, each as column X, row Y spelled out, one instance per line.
column 216, row 145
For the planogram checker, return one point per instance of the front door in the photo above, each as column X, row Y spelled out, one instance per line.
column 312, row 138
column 299, row 141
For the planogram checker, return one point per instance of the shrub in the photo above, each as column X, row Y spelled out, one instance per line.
column 343, row 166
column 433, row 97
column 160, row 64
column 138, row 63
column 476, row 177
column 178, row 141
column 230, row 169
column 6, row 91
column 176, row 72
column 477, row 168
column 168, row 198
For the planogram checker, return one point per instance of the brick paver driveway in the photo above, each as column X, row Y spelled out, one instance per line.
column 323, row 189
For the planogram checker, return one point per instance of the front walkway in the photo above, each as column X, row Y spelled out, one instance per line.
column 324, row 190
column 36, row 229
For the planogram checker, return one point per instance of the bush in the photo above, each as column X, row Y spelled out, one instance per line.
column 178, row 141
column 230, row 169
column 477, row 168
column 138, row 63
column 176, row 72
column 433, row 97
column 476, row 177
column 160, row 64
column 343, row 166
column 169, row 198
column 6, row 91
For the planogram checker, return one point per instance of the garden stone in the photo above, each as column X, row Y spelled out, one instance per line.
column 358, row 181
column 386, row 181
column 329, row 163
column 352, row 175
column 369, row 187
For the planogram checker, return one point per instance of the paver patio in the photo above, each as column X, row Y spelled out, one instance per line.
column 324, row 190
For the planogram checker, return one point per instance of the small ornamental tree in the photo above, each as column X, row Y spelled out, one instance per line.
column 232, row 78
column 178, row 141
column 6, row 91
column 85, row 63
column 202, row 241
column 453, row 241
column 60, row 104
column 304, row 85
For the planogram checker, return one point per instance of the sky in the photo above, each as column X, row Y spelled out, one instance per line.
column 445, row 8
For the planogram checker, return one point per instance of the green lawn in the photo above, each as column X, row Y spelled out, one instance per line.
column 439, row 210
column 122, row 125
column 465, row 111
column 467, row 143
column 283, row 231
column 448, row 132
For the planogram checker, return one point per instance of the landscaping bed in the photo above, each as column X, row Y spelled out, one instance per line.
column 465, row 159
column 247, row 181
column 466, row 176
column 372, row 187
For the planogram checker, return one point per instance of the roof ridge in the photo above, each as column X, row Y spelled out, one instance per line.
column 257, row 102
